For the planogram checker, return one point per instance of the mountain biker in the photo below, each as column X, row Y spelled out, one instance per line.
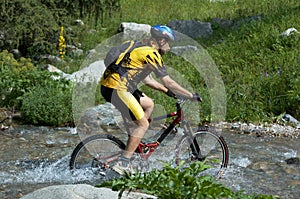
column 122, row 89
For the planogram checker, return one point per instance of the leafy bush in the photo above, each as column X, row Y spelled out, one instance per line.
column 48, row 105
column 15, row 79
column 176, row 182
column 7, row 59
column 41, row 99
column 32, row 26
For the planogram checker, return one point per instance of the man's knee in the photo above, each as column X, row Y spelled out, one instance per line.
column 141, row 128
column 147, row 102
column 143, row 123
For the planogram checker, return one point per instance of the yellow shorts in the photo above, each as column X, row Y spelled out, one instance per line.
column 127, row 103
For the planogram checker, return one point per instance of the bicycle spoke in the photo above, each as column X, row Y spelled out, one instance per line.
column 97, row 152
column 209, row 148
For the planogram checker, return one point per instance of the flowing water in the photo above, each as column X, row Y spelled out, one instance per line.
column 36, row 157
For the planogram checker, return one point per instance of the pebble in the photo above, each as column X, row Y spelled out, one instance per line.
column 294, row 160
column 272, row 130
column 295, row 182
column 290, row 170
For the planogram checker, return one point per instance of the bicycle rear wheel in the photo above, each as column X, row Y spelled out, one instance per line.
column 98, row 152
column 211, row 148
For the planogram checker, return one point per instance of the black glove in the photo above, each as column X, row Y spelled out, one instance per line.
column 196, row 97
column 170, row 94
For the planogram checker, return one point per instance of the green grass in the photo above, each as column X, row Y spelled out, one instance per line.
column 156, row 11
column 259, row 69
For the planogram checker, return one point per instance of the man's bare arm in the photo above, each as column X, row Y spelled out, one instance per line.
column 175, row 87
column 152, row 83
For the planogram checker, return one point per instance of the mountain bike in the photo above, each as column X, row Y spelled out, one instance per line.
column 101, row 151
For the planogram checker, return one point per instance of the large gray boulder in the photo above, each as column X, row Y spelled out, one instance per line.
column 133, row 30
column 192, row 28
column 81, row 191
column 91, row 73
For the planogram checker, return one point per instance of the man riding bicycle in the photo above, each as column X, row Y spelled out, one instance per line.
column 119, row 86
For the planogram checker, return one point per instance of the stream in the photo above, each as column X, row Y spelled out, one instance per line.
column 36, row 157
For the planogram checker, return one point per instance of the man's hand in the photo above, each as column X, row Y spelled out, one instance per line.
column 196, row 97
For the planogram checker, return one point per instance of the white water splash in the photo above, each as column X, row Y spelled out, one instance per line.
column 45, row 172
column 241, row 162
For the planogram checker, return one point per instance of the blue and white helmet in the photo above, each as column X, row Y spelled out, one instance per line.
column 161, row 31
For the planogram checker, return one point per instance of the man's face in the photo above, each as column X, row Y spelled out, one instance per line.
column 164, row 46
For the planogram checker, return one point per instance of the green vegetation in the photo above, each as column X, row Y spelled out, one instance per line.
column 14, row 82
column 48, row 104
column 258, row 66
column 40, row 98
column 176, row 182
column 260, row 69
column 32, row 26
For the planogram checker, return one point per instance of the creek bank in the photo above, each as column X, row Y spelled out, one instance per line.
column 267, row 129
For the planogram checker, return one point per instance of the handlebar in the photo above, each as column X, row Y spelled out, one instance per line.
column 182, row 99
column 196, row 97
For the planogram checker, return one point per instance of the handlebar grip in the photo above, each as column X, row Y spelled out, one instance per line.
column 196, row 97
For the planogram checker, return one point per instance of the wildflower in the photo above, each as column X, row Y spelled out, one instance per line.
column 61, row 43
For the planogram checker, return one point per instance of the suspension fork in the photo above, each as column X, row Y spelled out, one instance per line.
column 196, row 151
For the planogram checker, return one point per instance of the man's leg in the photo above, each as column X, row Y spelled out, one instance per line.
column 147, row 104
column 133, row 141
column 123, row 101
column 136, row 137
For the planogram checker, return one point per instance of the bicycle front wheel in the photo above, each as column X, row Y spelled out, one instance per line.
column 204, row 146
column 98, row 152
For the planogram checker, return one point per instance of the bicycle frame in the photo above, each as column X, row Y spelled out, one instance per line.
column 188, row 146
column 146, row 149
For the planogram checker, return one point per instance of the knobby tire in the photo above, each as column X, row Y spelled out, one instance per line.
column 98, row 152
column 212, row 148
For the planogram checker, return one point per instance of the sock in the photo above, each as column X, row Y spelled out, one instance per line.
column 125, row 161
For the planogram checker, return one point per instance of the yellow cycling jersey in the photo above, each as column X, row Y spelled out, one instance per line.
column 140, row 63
